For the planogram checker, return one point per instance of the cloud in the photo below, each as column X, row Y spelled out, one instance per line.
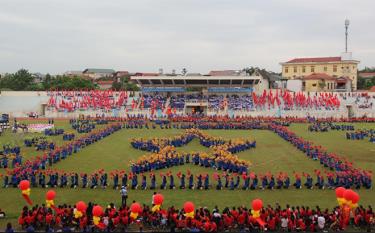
column 144, row 35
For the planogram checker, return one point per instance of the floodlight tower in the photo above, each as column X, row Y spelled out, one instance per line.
column 346, row 34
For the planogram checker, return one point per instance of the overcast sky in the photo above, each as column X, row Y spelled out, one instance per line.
column 55, row 36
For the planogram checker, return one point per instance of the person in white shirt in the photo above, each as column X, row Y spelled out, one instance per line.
column 284, row 223
column 321, row 222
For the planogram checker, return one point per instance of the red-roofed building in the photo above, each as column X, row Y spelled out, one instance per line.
column 107, row 84
column 324, row 82
column 315, row 59
column 366, row 75
column 336, row 67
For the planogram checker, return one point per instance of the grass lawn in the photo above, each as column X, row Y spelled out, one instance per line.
column 271, row 154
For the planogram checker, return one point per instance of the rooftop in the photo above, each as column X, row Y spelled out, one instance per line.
column 366, row 74
column 223, row 73
column 98, row 70
column 318, row 76
column 315, row 59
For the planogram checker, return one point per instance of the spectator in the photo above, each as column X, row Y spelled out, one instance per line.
column 124, row 195
column 9, row 228
column 321, row 222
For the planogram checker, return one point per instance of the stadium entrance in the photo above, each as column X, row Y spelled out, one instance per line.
column 200, row 107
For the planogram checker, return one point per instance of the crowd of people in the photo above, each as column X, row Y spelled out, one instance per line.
column 219, row 180
column 72, row 101
column 28, row 169
column 286, row 218
column 361, row 134
column 326, row 126
column 346, row 174
column 86, row 99
column 10, row 153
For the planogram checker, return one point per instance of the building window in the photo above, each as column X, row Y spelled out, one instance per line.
column 334, row 68
column 325, row 69
column 295, row 69
column 314, row 85
column 286, row 69
column 312, row 69
column 303, row 69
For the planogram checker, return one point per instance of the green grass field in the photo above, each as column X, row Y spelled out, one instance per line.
column 271, row 154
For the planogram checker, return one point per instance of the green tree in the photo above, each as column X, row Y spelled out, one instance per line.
column 124, row 83
column 19, row 81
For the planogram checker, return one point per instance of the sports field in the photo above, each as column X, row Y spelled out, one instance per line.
column 271, row 154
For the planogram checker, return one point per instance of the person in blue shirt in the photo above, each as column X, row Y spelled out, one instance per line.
column 84, row 180
column 124, row 180
column 134, row 182
column 199, row 182
column 191, row 181
column 163, row 182
column 206, row 182
column 219, row 185
column 231, row 184
column 153, row 182
column 254, row 184
column 144, row 183
column 182, row 181
column 171, row 182
column 115, row 181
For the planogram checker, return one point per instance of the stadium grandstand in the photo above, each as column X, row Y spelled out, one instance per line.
column 222, row 93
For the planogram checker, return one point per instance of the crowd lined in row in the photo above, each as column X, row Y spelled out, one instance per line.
column 28, row 169
column 326, row 126
column 345, row 172
column 361, row 134
column 302, row 218
column 168, row 180
column 93, row 100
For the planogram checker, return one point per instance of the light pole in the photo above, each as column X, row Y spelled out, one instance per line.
column 346, row 34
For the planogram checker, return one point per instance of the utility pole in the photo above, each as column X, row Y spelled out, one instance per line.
column 346, row 34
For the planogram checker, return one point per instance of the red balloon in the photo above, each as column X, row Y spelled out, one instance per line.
column 81, row 206
column 97, row 211
column 349, row 194
column 355, row 198
column 257, row 204
column 189, row 207
column 158, row 199
column 50, row 195
column 340, row 192
column 24, row 184
column 136, row 208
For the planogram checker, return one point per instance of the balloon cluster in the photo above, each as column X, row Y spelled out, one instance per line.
column 50, row 197
column 189, row 209
column 97, row 212
column 158, row 201
column 25, row 190
column 347, row 197
column 135, row 210
column 257, row 205
column 80, row 209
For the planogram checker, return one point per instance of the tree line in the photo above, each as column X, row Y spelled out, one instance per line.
column 23, row 80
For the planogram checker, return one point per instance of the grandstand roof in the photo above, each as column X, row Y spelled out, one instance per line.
column 96, row 70
column 146, row 74
column 200, row 81
column 223, row 73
